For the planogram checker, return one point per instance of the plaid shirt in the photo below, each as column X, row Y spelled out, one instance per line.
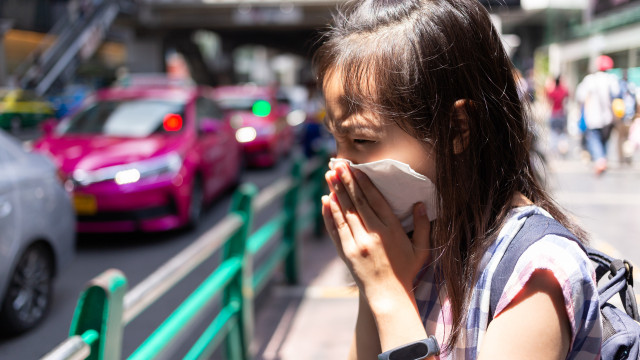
column 570, row 265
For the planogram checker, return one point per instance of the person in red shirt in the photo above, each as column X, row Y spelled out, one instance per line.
column 558, row 121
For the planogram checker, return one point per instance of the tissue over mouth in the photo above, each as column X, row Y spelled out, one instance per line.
column 401, row 186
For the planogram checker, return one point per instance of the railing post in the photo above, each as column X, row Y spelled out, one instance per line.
column 239, row 338
column 99, row 308
column 318, row 183
column 290, row 228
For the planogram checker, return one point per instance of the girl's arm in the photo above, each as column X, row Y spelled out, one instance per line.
column 382, row 259
column 533, row 326
column 398, row 320
column 366, row 341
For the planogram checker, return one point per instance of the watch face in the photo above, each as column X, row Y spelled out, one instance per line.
column 410, row 352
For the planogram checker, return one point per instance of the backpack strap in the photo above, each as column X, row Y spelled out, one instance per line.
column 534, row 228
column 620, row 281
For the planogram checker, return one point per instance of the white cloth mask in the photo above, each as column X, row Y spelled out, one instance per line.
column 401, row 186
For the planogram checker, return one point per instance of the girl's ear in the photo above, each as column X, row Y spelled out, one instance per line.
column 461, row 123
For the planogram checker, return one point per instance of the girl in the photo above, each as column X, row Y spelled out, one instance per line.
column 428, row 83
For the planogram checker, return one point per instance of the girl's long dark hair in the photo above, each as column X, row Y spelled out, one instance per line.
column 409, row 61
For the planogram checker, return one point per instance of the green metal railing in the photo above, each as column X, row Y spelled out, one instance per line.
column 105, row 307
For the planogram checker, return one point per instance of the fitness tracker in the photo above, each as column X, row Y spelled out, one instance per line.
column 413, row 351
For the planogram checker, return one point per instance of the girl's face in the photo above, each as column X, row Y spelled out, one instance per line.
column 363, row 137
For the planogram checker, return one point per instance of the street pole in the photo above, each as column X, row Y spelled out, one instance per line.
column 5, row 25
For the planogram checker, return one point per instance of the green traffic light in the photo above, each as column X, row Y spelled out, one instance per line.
column 261, row 108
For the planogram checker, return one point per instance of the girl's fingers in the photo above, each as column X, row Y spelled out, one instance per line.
column 349, row 211
column 421, row 229
column 343, row 230
column 357, row 197
column 330, row 225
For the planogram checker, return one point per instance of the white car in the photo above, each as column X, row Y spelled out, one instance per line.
column 37, row 235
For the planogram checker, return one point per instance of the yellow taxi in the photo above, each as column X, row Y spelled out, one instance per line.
column 22, row 108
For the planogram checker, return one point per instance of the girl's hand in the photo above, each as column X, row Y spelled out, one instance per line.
column 369, row 237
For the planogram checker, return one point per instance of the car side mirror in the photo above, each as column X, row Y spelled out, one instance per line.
column 209, row 126
column 48, row 126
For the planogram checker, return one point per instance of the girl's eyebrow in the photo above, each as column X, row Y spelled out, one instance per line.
column 343, row 128
column 346, row 125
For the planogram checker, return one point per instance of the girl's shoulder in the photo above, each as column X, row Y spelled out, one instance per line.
column 571, row 268
column 567, row 261
column 517, row 218
column 553, row 252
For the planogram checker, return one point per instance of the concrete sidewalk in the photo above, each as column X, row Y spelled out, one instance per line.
column 313, row 320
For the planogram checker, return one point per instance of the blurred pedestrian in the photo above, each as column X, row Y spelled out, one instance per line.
column 422, row 95
column 595, row 92
column 313, row 135
column 531, row 85
column 623, row 119
column 633, row 142
column 557, row 96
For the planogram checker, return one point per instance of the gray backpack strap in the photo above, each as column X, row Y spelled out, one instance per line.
column 620, row 280
column 534, row 228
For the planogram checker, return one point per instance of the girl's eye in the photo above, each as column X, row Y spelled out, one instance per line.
column 363, row 141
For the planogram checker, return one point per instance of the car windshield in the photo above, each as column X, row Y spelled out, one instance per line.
column 239, row 104
column 129, row 118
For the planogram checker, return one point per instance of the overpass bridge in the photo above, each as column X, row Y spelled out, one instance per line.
column 150, row 29
column 223, row 14
column 289, row 26
column 286, row 25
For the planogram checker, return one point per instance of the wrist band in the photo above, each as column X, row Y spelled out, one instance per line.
column 417, row 350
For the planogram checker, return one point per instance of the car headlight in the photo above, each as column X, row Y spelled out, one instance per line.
column 168, row 164
column 128, row 176
column 246, row 134
column 131, row 173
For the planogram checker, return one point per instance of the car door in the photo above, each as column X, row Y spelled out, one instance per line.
column 216, row 145
column 9, row 212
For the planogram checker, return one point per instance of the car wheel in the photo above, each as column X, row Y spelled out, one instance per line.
column 196, row 202
column 28, row 295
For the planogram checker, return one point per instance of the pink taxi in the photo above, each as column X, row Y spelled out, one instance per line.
column 144, row 158
column 259, row 120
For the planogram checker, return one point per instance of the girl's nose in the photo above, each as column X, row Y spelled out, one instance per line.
column 340, row 156
column 342, row 153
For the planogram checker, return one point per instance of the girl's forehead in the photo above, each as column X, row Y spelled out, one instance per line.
column 342, row 108
column 333, row 88
column 349, row 87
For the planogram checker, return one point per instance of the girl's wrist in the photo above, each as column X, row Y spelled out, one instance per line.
column 386, row 300
column 397, row 319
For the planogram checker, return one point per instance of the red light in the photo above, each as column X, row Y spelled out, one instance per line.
column 172, row 122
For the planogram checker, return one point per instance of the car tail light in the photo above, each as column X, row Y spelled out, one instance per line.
column 172, row 122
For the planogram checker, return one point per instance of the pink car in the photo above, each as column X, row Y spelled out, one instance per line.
column 260, row 122
column 145, row 158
